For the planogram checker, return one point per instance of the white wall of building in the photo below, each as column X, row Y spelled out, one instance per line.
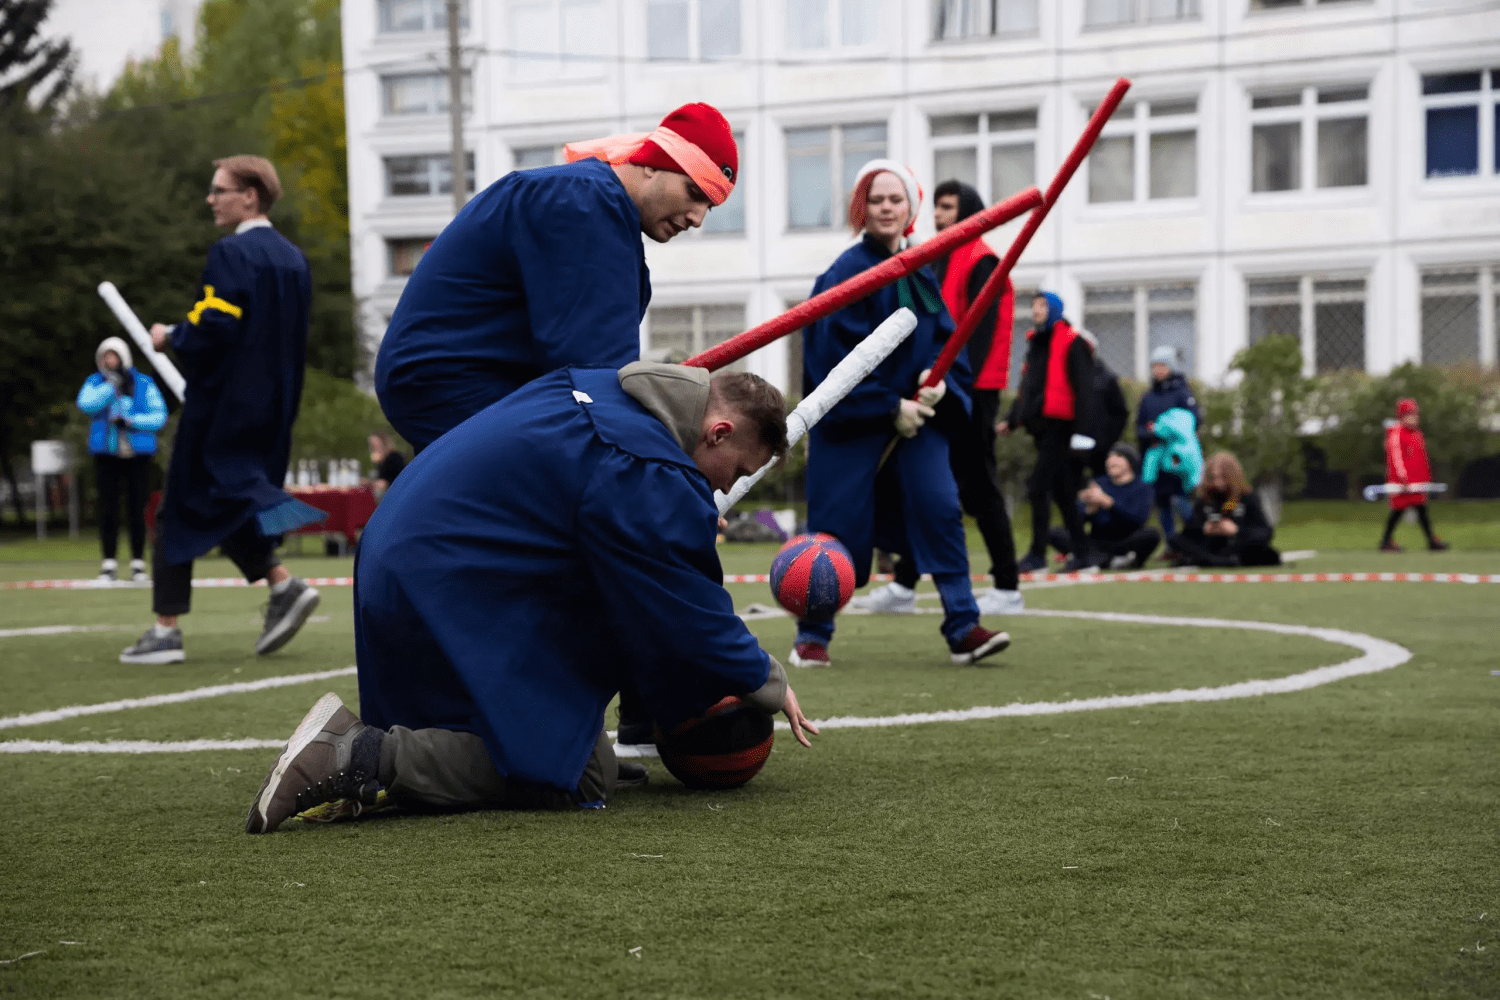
column 1191, row 266
column 107, row 34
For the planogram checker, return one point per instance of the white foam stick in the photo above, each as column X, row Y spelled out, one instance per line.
column 163, row 364
column 847, row 374
column 1386, row 489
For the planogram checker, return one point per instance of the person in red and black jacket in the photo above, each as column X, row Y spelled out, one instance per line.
column 1056, row 400
column 1406, row 466
column 971, row 436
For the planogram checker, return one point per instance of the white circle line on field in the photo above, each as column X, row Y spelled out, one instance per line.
column 177, row 697
column 1375, row 656
column 18, row 633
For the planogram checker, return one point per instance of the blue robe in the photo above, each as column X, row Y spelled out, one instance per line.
column 242, row 350
column 530, row 562
column 912, row 506
column 544, row 268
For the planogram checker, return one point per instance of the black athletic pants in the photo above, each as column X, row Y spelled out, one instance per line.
column 1055, row 480
column 971, row 457
column 1198, row 549
column 172, row 586
column 109, row 470
column 1139, row 544
column 1390, row 523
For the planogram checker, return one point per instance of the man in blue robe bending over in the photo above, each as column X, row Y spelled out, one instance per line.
column 557, row 545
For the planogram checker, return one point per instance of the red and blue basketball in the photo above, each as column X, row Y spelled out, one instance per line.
column 813, row 577
column 724, row 749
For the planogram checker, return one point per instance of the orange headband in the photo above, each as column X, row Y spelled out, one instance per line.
column 616, row 149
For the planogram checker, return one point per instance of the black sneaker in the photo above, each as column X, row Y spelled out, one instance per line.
column 285, row 614
column 1032, row 563
column 331, row 756
column 151, row 648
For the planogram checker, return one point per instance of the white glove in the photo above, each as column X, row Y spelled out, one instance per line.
column 930, row 395
column 1081, row 442
column 910, row 417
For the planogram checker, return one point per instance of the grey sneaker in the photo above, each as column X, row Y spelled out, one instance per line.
column 1000, row 602
column 331, row 756
column 285, row 614
column 892, row 599
column 152, row 648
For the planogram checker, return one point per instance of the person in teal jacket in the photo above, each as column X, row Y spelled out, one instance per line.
column 128, row 410
column 1176, row 450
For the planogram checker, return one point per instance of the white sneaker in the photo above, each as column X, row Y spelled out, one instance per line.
column 138, row 571
column 1000, row 602
column 1126, row 561
column 892, row 599
column 107, row 570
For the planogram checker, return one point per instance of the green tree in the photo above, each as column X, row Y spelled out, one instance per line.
column 1266, row 412
column 35, row 72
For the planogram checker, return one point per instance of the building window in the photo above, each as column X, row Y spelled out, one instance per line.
column 405, row 253
column 557, row 39
column 1114, row 13
column 421, row 93
column 419, row 15
column 527, row 157
column 684, row 30
column 1463, row 123
column 1131, row 321
column 1309, row 137
column 676, row 333
column 414, row 176
column 728, row 219
column 1256, row 5
column 1148, row 151
column 827, row 24
column 1326, row 314
column 1020, row 328
column 1456, row 326
column 1003, row 141
column 821, row 164
column 955, row 19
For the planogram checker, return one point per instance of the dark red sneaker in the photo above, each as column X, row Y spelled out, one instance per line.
column 1390, row 547
column 810, row 654
column 976, row 644
column 1438, row 545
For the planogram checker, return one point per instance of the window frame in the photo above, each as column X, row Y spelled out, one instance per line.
column 1308, row 299
column 1486, row 289
column 432, row 169
column 698, row 341
column 1486, row 101
column 1140, row 126
column 431, row 9
column 1307, row 113
column 695, row 56
column 937, row 18
column 438, row 106
column 984, row 141
column 1141, row 308
column 834, row 25
column 838, row 208
column 1141, row 18
column 391, row 250
column 556, row 69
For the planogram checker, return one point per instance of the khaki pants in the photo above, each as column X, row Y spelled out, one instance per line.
column 440, row 769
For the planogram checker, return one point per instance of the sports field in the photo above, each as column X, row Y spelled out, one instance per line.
column 1337, row 840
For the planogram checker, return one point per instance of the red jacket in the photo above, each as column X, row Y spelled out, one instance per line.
column 1405, row 463
column 994, row 370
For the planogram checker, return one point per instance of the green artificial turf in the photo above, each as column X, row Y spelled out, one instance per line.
column 1339, row 842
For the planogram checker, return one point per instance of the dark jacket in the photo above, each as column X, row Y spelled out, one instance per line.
column 1026, row 411
column 1255, row 528
column 1172, row 392
column 1111, row 412
column 1132, row 505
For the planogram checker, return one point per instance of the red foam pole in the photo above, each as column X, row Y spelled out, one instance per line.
column 992, row 287
column 832, row 300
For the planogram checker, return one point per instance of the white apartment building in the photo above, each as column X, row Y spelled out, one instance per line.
column 1324, row 168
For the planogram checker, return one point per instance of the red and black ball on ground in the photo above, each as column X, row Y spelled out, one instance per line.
column 812, row 577
column 723, row 749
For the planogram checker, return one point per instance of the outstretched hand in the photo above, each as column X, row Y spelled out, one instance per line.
column 798, row 721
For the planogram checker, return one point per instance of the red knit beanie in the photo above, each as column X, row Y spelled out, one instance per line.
column 704, row 127
column 1405, row 406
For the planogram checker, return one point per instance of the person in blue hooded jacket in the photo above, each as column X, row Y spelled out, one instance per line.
column 909, row 505
column 1169, row 391
column 128, row 410
column 242, row 350
column 481, row 682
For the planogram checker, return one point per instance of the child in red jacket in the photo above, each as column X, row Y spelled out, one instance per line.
column 1406, row 465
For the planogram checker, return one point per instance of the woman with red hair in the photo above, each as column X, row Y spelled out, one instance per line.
column 909, row 505
column 1405, row 467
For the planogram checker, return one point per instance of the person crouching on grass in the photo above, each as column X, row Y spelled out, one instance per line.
column 1228, row 526
column 1406, row 466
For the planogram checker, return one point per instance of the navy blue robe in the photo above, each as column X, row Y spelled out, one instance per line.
column 542, row 269
column 917, row 511
column 534, row 559
column 242, row 350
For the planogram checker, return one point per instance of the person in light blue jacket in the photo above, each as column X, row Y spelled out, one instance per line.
column 128, row 410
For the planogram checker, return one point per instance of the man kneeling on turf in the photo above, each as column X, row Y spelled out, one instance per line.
column 525, row 565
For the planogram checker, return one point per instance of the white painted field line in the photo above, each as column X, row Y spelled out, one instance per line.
column 135, row 746
column 196, row 694
column 1378, row 655
column 17, row 633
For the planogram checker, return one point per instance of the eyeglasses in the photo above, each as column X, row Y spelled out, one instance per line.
column 215, row 191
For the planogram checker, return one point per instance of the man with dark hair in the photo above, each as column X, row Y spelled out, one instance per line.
column 1055, row 401
column 1115, row 507
column 388, row 462
column 243, row 348
column 971, row 436
column 479, row 685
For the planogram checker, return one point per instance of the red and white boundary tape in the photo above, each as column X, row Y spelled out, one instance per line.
column 1149, row 576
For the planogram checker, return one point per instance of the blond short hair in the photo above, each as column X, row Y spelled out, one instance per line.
column 255, row 173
